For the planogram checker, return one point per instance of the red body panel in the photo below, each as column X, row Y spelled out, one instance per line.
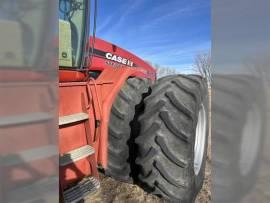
column 100, row 62
column 79, row 93
column 26, row 137
column 9, row 75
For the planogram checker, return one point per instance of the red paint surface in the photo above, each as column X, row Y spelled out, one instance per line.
column 77, row 93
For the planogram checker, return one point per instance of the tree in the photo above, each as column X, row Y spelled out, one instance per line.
column 202, row 65
column 162, row 71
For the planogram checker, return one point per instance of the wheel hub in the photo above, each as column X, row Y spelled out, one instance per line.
column 200, row 138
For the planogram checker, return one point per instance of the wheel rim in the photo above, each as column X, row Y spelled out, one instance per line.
column 250, row 140
column 200, row 138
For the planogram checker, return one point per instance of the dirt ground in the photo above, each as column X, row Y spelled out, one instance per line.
column 112, row 191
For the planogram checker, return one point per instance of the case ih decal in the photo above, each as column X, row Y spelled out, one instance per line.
column 113, row 57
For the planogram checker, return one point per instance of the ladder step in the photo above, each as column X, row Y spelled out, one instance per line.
column 81, row 190
column 43, row 190
column 29, row 155
column 23, row 119
column 64, row 120
column 76, row 154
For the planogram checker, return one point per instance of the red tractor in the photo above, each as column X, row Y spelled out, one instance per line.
column 115, row 117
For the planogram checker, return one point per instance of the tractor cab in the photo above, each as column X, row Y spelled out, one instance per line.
column 73, row 33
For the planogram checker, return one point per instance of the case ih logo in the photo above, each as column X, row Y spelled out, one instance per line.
column 119, row 59
column 114, row 60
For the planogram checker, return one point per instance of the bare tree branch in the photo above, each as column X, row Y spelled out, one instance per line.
column 202, row 65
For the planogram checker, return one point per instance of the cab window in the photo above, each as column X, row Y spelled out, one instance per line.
column 72, row 32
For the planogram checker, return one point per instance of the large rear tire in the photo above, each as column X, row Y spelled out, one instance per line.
column 172, row 144
column 122, row 114
column 238, row 135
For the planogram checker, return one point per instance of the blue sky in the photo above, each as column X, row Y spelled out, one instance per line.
column 165, row 32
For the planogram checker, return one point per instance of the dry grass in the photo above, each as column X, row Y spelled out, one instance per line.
column 116, row 192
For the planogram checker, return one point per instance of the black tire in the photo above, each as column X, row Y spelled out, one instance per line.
column 167, row 138
column 122, row 114
column 235, row 97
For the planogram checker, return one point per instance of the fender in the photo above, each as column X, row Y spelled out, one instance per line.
column 110, row 82
column 116, row 65
column 100, row 93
